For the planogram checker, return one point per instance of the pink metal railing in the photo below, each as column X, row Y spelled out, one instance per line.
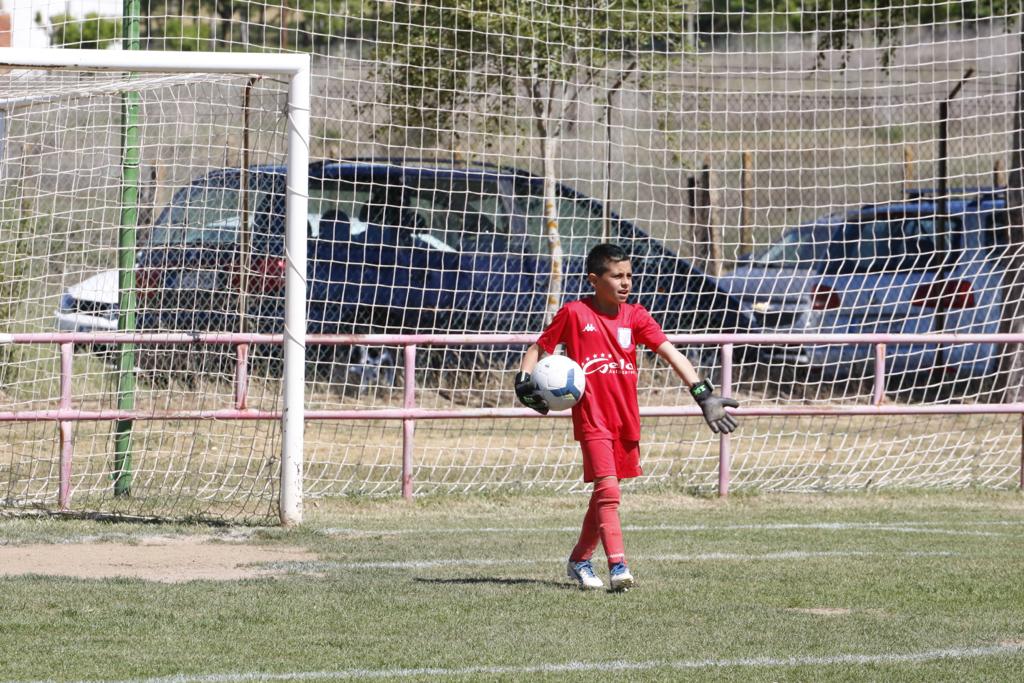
column 66, row 415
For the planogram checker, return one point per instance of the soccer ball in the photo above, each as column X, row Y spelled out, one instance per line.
column 560, row 381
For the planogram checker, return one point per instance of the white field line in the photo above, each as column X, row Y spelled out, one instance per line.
column 921, row 528
column 1002, row 649
column 699, row 557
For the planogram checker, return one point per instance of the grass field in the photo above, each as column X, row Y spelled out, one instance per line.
column 903, row 586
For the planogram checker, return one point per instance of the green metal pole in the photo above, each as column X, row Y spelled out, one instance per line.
column 126, row 260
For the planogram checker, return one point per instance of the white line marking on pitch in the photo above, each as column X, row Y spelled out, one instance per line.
column 613, row 666
column 700, row 557
column 827, row 526
column 823, row 526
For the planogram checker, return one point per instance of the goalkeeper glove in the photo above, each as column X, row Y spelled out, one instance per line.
column 714, row 407
column 526, row 392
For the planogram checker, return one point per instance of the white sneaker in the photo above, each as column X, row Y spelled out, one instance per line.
column 621, row 579
column 583, row 573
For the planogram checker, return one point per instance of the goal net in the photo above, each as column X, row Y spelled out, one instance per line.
column 783, row 168
column 130, row 186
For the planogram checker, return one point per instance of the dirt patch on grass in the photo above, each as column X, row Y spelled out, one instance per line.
column 163, row 559
column 823, row 611
column 836, row 611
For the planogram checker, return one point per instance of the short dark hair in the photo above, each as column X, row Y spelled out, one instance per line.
column 604, row 254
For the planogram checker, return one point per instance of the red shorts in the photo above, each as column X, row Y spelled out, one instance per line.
column 610, row 458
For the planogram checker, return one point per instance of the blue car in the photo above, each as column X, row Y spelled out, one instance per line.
column 885, row 268
column 398, row 247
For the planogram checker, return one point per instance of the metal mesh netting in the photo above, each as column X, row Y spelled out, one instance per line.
column 807, row 170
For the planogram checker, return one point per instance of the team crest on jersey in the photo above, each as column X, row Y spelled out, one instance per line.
column 625, row 337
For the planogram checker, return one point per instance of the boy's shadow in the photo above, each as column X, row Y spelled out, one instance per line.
column 473, row 580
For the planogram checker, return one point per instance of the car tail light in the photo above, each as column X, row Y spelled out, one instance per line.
column 823, row 298
column 946, row 295
column 266, row 275
column 147, row 281
column 269, row 275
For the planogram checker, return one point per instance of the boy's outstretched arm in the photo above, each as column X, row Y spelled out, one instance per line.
column 712, row 406
column 526, row 390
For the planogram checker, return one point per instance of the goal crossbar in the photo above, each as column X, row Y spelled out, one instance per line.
column 165, row 62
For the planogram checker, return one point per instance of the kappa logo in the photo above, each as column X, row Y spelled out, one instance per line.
column 590, row 328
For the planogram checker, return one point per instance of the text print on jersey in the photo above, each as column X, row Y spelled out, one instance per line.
column 604, row 364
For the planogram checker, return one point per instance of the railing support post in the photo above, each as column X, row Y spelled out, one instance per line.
column 408, row 424
column 724, row 452
column 241, row 376
column 67, row 427
column 879, row 389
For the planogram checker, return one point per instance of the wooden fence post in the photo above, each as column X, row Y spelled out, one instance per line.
column 706, row 222
column 691, row 218
column 908, row 168
column 999, row 174
column 746, row 195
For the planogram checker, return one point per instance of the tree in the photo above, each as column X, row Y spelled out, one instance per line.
column 833, row 20
column 92, row 32
column 446, row 61
column 836, row 22
column 301, row 25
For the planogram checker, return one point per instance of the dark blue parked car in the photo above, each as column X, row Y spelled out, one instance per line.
column 885, row 268
column 398, row 247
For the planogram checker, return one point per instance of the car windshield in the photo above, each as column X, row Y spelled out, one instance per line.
column 480, row 215
column 203, row 214
column 450, row 214
column 801, row 247
column 888, row 244
column 456, row 214
column 210, row 210
column 333, row 201
column 581, row 224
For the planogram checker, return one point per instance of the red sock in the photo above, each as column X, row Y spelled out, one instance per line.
column 602, row 523
column 589, row 535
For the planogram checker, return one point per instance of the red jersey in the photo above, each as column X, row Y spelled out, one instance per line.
column 605, row 347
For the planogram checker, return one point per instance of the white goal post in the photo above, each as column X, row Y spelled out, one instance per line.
column 296, row 69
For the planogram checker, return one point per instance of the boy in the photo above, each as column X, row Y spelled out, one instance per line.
column 600, row 333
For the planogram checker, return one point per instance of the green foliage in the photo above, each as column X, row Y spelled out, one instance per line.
column 15, row 230
column 93, row 32
column 255, row 25
column 836, row 18
column 889, row 135
column 318, row 25
column 835, row 22
column 186, row 35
